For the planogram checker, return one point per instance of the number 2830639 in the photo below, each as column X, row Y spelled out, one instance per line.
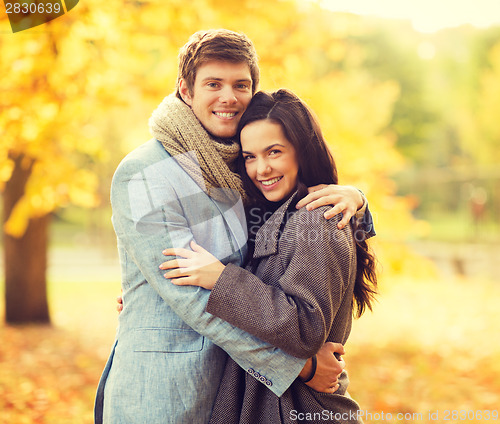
column 33, row 8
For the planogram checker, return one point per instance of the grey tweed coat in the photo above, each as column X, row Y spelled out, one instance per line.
column 295, row 294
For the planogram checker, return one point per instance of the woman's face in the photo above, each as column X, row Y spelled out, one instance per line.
column 270, row 159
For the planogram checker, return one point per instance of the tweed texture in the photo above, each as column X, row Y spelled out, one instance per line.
column 296, row 293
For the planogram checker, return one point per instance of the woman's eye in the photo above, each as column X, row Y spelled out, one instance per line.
column 274, row 152
column 247, row 158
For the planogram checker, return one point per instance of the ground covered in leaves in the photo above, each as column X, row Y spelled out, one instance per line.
column 429, row 347
column 46, row 376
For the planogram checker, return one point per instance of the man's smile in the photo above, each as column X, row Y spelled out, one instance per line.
column 225, row 115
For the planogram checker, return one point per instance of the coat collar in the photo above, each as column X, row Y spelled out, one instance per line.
column 266, row 240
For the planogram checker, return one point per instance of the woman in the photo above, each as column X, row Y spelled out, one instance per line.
column 306, row 278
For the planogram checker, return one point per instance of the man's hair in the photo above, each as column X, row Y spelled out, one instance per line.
column 217, row 44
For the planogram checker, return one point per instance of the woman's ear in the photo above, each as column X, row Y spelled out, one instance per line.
column 184, row 92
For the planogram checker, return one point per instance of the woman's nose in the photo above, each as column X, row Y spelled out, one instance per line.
column 263, row 167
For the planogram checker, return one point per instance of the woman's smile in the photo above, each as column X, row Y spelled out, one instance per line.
column 270, row 184
column 270, row 159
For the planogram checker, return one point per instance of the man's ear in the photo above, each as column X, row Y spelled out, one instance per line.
column 184, row 92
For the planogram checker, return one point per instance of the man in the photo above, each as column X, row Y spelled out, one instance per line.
column 169, row 353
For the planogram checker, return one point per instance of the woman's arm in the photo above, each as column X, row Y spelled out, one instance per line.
column 297, row 312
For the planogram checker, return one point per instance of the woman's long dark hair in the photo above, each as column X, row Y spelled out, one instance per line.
column 316, row 166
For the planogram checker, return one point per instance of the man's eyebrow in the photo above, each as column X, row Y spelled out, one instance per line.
column 212, row 78
column 222, row 79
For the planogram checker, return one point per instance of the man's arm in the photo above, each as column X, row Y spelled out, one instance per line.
column 147, row 219
column 347, row 200
column 329, row 364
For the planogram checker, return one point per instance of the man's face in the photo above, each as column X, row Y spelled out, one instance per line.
column 221, row 93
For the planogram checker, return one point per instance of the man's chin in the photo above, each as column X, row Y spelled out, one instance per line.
column 223, row 134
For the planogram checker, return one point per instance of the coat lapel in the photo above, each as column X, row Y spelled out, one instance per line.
column 266, row 240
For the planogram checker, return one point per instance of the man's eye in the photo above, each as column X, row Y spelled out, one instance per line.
column 212, row 85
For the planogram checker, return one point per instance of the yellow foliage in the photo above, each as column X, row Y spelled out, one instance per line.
column 18, row 220
column 61, row 87
column 55, row 92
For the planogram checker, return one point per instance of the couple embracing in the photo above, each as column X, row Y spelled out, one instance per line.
column 237, row 299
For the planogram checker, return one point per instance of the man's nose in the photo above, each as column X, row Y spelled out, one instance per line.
column 228, row 96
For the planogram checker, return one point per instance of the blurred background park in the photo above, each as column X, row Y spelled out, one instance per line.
column 411, row 112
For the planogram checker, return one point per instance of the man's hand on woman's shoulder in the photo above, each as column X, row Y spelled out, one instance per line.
column 344, row 199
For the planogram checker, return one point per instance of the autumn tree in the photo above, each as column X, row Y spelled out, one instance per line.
column 54, row 83
column 61, row 84
column 63, row 81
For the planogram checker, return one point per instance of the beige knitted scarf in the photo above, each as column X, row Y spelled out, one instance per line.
column 174, row 124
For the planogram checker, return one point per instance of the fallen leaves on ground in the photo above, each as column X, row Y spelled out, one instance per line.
column 46, row 376
column 401, row 378
column 429, row 346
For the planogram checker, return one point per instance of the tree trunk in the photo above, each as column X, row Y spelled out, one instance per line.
column 25, row 258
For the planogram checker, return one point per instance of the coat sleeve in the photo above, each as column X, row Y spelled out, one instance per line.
column 364, row 220
column 150, row 196
column 295, row 312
